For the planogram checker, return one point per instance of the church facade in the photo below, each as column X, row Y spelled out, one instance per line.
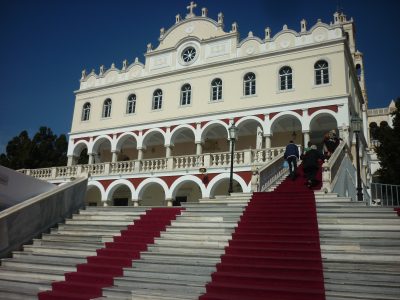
column 157, row 132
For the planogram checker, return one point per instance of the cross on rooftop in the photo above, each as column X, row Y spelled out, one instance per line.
column 191, row 7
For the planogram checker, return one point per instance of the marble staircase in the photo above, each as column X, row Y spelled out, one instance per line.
column 360, row 249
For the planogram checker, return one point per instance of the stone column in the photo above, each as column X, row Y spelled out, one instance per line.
column 199, row 148
column 140, row 153
column 168, row 151
column 114, row 156
column 267, row 141
column 91, row 158
column 169, row 202
column 71, row 160
column 306, row 135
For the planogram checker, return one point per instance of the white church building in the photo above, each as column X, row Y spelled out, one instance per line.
column 157, row 132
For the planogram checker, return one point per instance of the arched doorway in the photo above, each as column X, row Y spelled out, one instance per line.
column 250, row 135
column 152, row 194
column 187, row 191
column 81, row 156
column 102, row 150
column 320, row 125
column 121, row 196
column 183, row 141
column 215, row 139
column 284, row 129
column 154, row 144
column 127, row 148
column 93, row 196
column 221, row 187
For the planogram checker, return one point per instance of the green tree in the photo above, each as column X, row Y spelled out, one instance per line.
column 45, row 150
column 389, row 149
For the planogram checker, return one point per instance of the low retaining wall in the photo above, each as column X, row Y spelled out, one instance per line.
column 22, row 222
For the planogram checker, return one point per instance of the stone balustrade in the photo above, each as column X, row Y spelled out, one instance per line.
column 175, row 163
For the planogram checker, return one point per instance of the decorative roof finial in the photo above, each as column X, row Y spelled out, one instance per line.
column 83, row 74
column 267, row 33
column 303, row 25
column 149, row 47
column 234, row 27
column 190, row 8
column 124, row 64
column 101, row 70
column 177, row 18
column 204, row 12
column 221, row 18
column 250, row 34
column 162, row 31
column 136, row 59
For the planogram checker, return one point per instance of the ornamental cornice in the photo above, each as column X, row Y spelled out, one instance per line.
column 215, row 64
column 183, row 22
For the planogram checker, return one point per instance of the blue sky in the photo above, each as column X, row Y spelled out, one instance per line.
column 45, row 44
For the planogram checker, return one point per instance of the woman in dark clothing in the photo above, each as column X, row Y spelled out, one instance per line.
column 311, row 165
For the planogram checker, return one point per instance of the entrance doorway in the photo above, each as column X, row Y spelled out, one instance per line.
column 178, row 200
column 120, row 201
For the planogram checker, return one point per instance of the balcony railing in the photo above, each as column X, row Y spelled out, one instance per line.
column 175, row 163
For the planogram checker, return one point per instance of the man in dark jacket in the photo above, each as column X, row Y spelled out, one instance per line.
column 292, row 155
column 311, row 165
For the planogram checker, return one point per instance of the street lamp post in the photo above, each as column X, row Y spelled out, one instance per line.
column 232, row 137
column 356, row 123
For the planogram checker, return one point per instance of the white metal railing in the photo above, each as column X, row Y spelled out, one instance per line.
column 385, row 195
column 207, row 160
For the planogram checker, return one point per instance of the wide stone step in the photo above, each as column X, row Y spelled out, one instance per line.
column 350, row 266
column 192, row 250
column 37, row 265
column 225, row 224
column 72, row 238
column 32, row 275
column 200, row 230
column 361, row 257
column 363, row 227
column 360, row 221
column 197, row 237
column 134, row 275
column 64, row 251
column 98, row 223
column 105, row 218
column 45, row 258
column 68, row 243
column 186, row 258
column 191, row 243
column 368, row 287
column 386, row 279
column 165, row 267
column 82, row 232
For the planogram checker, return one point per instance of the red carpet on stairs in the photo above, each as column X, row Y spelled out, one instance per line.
column 274, row 253
column 99, row 271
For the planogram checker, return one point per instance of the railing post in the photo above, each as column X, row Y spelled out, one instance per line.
column 53, row 173
column 207, row 160
column 107, row 168
column 170, row 163
column 247, row 157
column 326, row 177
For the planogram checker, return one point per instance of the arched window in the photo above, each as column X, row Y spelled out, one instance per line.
column 321, row 72
column 131, row 104
column 86, row 111
column 216, row 89
column 285, row 78
column 186, row 94
column 249, row 84
column 157, row 99
column 107, row 108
